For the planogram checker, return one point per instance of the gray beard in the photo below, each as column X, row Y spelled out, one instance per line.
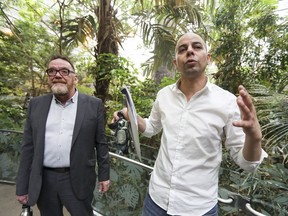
column 59, row 90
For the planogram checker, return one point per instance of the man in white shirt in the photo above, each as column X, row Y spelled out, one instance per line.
column 196, row 116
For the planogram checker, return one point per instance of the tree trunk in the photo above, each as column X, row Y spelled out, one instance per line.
column 107, row 43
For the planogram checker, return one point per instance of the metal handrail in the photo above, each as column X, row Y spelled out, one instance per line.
column 241, row 202
column 7, row 182
column 256, row 213
column 131, row 161
column 229, row 201
column 11, row 131
column 235, row 200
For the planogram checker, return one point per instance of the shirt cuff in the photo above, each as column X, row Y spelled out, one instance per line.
column 148, row 130
column 250, row 166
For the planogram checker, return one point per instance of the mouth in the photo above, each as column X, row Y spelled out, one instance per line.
column 191, row 62
column 55, row 83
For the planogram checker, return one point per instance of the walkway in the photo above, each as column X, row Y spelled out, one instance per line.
column 9, row 205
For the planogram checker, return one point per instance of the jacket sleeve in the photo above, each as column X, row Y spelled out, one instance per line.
column 102, row 147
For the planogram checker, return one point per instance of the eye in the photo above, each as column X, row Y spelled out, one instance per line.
column 181, row 49
column 51, row 71
column 64, row 71
column 197, row 46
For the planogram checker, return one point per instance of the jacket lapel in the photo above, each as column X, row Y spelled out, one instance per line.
column 81, row 104
column 43, row 113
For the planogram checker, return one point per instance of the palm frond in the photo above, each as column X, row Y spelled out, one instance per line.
column 78, row 30
column 272, row 111
column 161, row 26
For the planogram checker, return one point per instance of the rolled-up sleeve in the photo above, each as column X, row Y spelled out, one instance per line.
column 153, row 123
column 250, row 166
column 235, row 138
column 148, row 130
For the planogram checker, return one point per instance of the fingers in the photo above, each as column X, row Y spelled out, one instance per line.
column 248, row 121
column 22, row 199
column 245, row 99
column 245, row 103
column 125, row 113
column 116, row 117
column 247, row 109
column 104, row 186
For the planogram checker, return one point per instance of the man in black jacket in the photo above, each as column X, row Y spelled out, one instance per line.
column 64, row 136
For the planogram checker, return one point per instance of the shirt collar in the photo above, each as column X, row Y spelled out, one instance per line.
column 73, row 99
column 207, row 87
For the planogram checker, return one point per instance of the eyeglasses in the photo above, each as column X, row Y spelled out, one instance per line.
column 62, row 71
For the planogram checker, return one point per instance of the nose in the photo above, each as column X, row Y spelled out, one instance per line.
column 58, row 74
column 190, row 50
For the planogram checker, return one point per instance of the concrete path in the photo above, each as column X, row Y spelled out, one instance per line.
column 9, row 206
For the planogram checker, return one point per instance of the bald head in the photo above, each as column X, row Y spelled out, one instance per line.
column 190, row 35
column 191, row 56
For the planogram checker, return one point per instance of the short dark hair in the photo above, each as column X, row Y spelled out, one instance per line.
column 65, row 58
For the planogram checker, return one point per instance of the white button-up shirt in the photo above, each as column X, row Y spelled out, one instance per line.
column 59, row 132
column 185, row 176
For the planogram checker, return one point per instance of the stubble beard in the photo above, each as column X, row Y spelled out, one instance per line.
column 190, row 72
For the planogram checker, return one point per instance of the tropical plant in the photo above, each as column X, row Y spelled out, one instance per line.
column 267, row 188
column 272, row 114
column 245, row 47
column 100, row 25
column 161, row 23
column 22, row 53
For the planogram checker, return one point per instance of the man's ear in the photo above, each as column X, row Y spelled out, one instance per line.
column 208, row 57
column 175, row 63
column 75, row 79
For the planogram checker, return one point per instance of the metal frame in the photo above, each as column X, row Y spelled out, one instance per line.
column 235, row 200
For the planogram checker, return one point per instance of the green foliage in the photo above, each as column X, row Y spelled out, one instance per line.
column 85, row 89
column 249, row 45
column 78, row 30
column 12, row 114
column 10, row 143
column 127, row 191
column 85, row 83
column 272, row 114
column 274, row 70
column 110, row 73
column 168, row 81
column 110, row 66
column 120, row 72
column 267, row 188
column 11, row 67
column 145, row 96
column 24, row 47
column 270, row 2
column 143, row 100
column 143, row 93
column 161, row 24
